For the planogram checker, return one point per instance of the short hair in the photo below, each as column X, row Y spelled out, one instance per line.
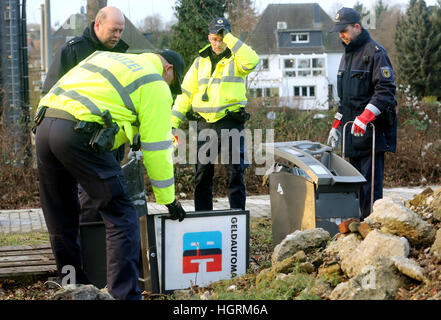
column 102, row 14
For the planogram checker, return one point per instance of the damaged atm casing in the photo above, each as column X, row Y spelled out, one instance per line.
column 319, row 189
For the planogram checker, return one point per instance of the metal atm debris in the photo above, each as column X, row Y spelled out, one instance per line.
column 318, row 189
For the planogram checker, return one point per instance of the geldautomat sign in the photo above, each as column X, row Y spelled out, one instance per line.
column 204, row 248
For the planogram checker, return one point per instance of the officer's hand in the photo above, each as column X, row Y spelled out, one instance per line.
column 334, row 134
column 359, row 126
column 334, row 138
column 176, row 211
column 135, row 155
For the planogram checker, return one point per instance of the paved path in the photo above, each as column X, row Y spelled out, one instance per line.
column 32, row 220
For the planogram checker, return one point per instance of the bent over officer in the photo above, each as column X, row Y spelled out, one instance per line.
column 100, row 104
column 214, row 87
column 366, row 88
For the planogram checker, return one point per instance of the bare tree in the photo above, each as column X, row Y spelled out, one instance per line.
column 242, row 16
column 385, row 31
column 158, row 32
column 93, row 6
column 334, row 8
column 152, row 23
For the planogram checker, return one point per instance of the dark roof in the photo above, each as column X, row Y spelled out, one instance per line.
column 298, row 17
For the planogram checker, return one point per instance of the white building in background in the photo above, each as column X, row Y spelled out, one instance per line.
column 299, row 57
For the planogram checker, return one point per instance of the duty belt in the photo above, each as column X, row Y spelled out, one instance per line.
column 81, row 126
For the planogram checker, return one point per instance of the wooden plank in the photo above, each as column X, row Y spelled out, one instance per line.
column 25, row 258
column 25, row 252
column 145, row 276
column 22, row 271
column 25, row 247
column 28, row 263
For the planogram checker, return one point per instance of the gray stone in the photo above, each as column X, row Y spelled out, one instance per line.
column 81, row 292
column 308, row 267
column 300, row 256
column 378, row 281
column 299, row 240
column 436, row 246
column 344, row 245
column 376, row 244
column 183, row 294
column 390, row 215
column 435, row 205
column 410, row 268
column 318, row 288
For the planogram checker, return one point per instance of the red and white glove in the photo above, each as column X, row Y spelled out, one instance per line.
column 359, row 126
column 334, row 134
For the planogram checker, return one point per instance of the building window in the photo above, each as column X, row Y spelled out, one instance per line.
column 304, row 67
column 299, row 37
column 255, row 93
column 274, row 92
column 264, row 92
column 290, row 63
column 304, row 91
column 304, row 63
column 304, row 73
column 264, row 64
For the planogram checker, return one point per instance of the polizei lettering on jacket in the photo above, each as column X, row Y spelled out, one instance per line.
column 233, row 260
column 129, row 63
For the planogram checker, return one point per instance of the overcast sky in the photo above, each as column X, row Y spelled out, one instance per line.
column 136, row 10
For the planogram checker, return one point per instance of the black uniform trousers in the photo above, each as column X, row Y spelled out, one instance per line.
column 64, row 160
column 364, row 166
column 234, row 162
column 87, row 205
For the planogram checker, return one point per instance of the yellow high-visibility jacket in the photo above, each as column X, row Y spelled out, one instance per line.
column 225, row 88
column 131, row 87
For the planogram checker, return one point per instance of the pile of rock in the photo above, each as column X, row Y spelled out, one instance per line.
column 81, row 292
column 371, row 257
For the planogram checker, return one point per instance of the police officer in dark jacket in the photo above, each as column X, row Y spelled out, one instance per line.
column 103, row 34
column 366, row 88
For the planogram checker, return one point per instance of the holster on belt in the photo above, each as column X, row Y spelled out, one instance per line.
column 104, row 139
column 38, row 117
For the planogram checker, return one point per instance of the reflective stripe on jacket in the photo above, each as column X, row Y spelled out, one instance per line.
column 225, row 88
column 131, row 87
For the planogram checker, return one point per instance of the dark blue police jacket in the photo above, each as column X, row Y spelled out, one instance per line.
column 73, row 52
column 365, row 76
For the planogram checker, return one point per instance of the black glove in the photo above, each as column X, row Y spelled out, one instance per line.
column 176, row 211
column 220, row 26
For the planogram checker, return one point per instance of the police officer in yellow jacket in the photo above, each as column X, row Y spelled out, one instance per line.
column 105, row 101
column 214, row 87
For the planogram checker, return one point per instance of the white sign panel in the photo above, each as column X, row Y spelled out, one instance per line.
column 204, row 248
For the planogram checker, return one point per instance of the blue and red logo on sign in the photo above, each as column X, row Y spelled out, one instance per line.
column 202, row 248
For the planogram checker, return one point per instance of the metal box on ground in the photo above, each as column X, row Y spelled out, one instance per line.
column 319, row 189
